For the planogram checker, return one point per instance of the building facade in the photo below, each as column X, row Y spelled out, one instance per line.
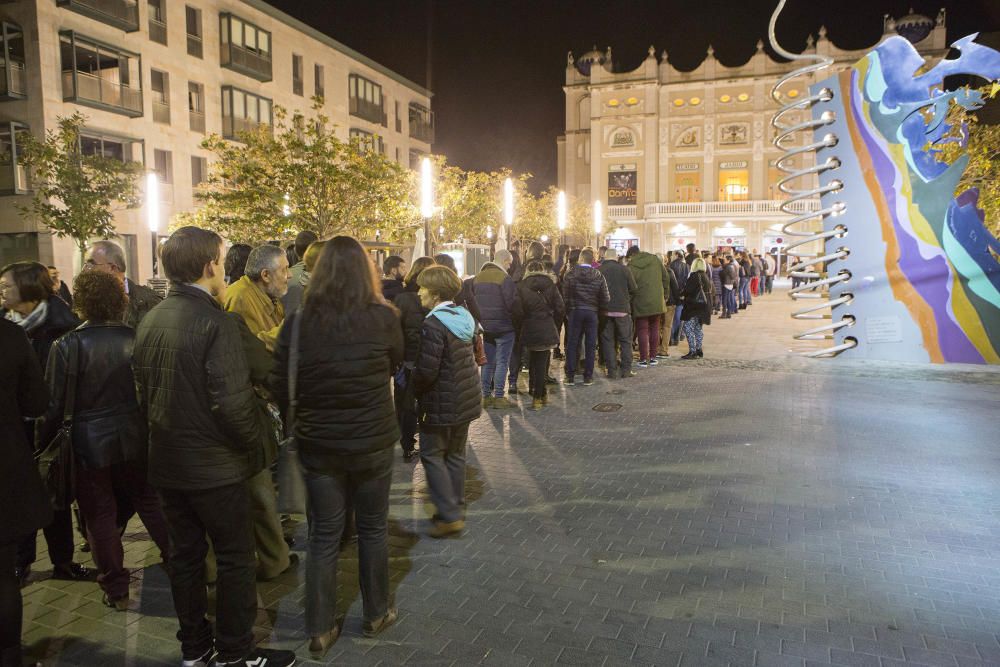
column 687, row 157
column 154, row 77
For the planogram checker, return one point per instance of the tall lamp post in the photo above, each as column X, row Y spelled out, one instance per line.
column 153, row 216
column 598, row 223
column 508, row 215
column 561, row 216
column 426, row 202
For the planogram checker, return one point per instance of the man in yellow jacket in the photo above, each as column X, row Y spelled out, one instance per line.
column 257, row 295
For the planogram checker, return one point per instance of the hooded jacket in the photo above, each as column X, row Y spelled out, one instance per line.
column 446, row 377
column 621, row 286
column 543, row 308
column 652, row 284
column 584, row 288
column 496, row 295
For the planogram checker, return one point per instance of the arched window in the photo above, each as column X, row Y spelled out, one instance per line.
column 584, row 113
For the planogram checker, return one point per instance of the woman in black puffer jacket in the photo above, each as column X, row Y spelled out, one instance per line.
column 411, row 315
column 446, row 381
column 543, row 312
column 697, row 307
column 350, row 343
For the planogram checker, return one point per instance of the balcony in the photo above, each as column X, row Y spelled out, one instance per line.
column 197, row 121
column 157, row 31
column 195, row 46
column 123, row 14
column 90, row 90
column 373, row 113
column 422, row 132
column 245, row 61
column 233, row 128
column 626, row 212
column 756, row 208
column 12, row 81
column 161, row 112
column 13, row 175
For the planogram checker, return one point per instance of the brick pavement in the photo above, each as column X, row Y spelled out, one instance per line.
column 748, row 509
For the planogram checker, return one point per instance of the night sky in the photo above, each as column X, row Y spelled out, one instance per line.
column 497, row 68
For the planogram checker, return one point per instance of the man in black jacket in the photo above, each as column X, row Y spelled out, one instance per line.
column 586, row 293
column 108, row 256
column 206, row 439
column 616, row 320
column 394, row 269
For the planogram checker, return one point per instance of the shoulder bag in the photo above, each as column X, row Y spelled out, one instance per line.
column 55, row 462
column 291, row 482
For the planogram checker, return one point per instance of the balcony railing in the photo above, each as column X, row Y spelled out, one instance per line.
column 731, row 208
column 373, row 113
column 626, row 212
column 17, row 88
column 157, row 31
column 95, row 91
column 161, row 112
column 247, row 62
column 13, row 179
column 422, row 132
column 122, row 14
column 232, row 128
column 197, row 121
column 194, row 46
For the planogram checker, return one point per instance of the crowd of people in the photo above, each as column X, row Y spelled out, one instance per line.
column 262, row 365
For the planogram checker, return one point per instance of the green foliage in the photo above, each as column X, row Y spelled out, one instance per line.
column 75, row 195
column 301, row 176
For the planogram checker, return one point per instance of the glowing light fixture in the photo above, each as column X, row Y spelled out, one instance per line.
column 561, row 210
column 598, row 217
column 508, row 202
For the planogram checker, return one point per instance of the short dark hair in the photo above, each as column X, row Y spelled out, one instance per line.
column 587, row 256
column 187, row 251
column 444, row 259
column 690, row 247
column 392, row 263
column 632, row 250
column 99, row 297
column 31, row 279
column 236, row 261
column 302, row 242
column 535, row 250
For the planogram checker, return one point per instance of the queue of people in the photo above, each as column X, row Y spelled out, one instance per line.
column 263, row 363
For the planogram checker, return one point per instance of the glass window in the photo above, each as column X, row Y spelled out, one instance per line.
column 318, row 76
column 199, row 170
column 162, row 165
column 297, row 74
column 734, row 185
column 196, row 97
column 193, row 18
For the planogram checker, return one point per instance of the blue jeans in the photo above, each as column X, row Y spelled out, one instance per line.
column 442, row 451
column 494, row 374
column 728, row 300
column 744, row 291
column 363, row 480
column 581, row 322
column 675, row 327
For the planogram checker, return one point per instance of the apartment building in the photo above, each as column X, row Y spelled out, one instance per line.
column 686, row 156
column 154, row 77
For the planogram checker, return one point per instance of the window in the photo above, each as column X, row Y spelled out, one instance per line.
column 415, row 157
column 687, row 186
column 245, row 48
column 122, row 14
column 319, row 89
column 159, row 83
column 199, row 170
column 421, row 123
column 163, row 165
column 12, row 81
column 13, row 176
column 110, row 146
column 734, row 185
column 196, row 106
column 368, row 141
column 157, row 21
column 365, row 99
column 298, row 75
column 97, row 75
column 18, row 247
column 243, row 112
column 194, row 32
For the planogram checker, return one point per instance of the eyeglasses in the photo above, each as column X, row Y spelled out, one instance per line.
column 91, row 264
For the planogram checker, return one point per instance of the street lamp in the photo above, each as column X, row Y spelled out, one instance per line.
column 426, row 202
column 561, row 216
column 153, row 213
column 598, row 222
column 508, row 202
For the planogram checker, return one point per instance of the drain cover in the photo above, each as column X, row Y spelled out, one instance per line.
column 607, row 407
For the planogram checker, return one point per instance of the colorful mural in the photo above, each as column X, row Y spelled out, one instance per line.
column 924, row 282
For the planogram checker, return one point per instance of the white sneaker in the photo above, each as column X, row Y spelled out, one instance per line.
column 203, row 661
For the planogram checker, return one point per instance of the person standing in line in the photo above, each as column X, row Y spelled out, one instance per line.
column 542, row 306
column 446, row 383
column 517, row 357
column 667, row 321
column 60, row 288
column 108, row 257
column 692, row 254
column 770, row 266
column 756, row 274
column 715, row 267
column 697, row 308
column 298, row 274
column 206, row 440
column 681, row 269
column 411, row 314
column 394, row 267
column 257, row 295
column 29, row 301
column 109, row 433
column 653, row 291
column 729, row 277
column 746, row 275
column 350, row 341
column 26, row 505
column 616, row 321
column 236, row 261
column 496, row 295
column 585, row 293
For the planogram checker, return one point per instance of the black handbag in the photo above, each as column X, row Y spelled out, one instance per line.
column 291, row 481
column 55, row 462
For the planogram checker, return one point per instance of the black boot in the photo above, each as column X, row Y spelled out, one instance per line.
column 701, row 355
column 693, row 354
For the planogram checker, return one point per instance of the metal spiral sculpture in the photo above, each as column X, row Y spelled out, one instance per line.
column 797, row 184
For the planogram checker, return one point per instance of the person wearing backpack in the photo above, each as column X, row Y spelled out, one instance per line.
column 542, row 307
column 446, row 382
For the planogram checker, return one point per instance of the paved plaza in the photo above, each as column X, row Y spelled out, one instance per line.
column 753, row 508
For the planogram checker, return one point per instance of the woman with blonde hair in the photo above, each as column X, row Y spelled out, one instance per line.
column 697, row 299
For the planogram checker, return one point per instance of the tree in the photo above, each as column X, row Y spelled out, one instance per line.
column 301, row 176
column 75, row 194
column 983, row 149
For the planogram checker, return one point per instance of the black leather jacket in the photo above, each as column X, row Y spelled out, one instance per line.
column 107, row 425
